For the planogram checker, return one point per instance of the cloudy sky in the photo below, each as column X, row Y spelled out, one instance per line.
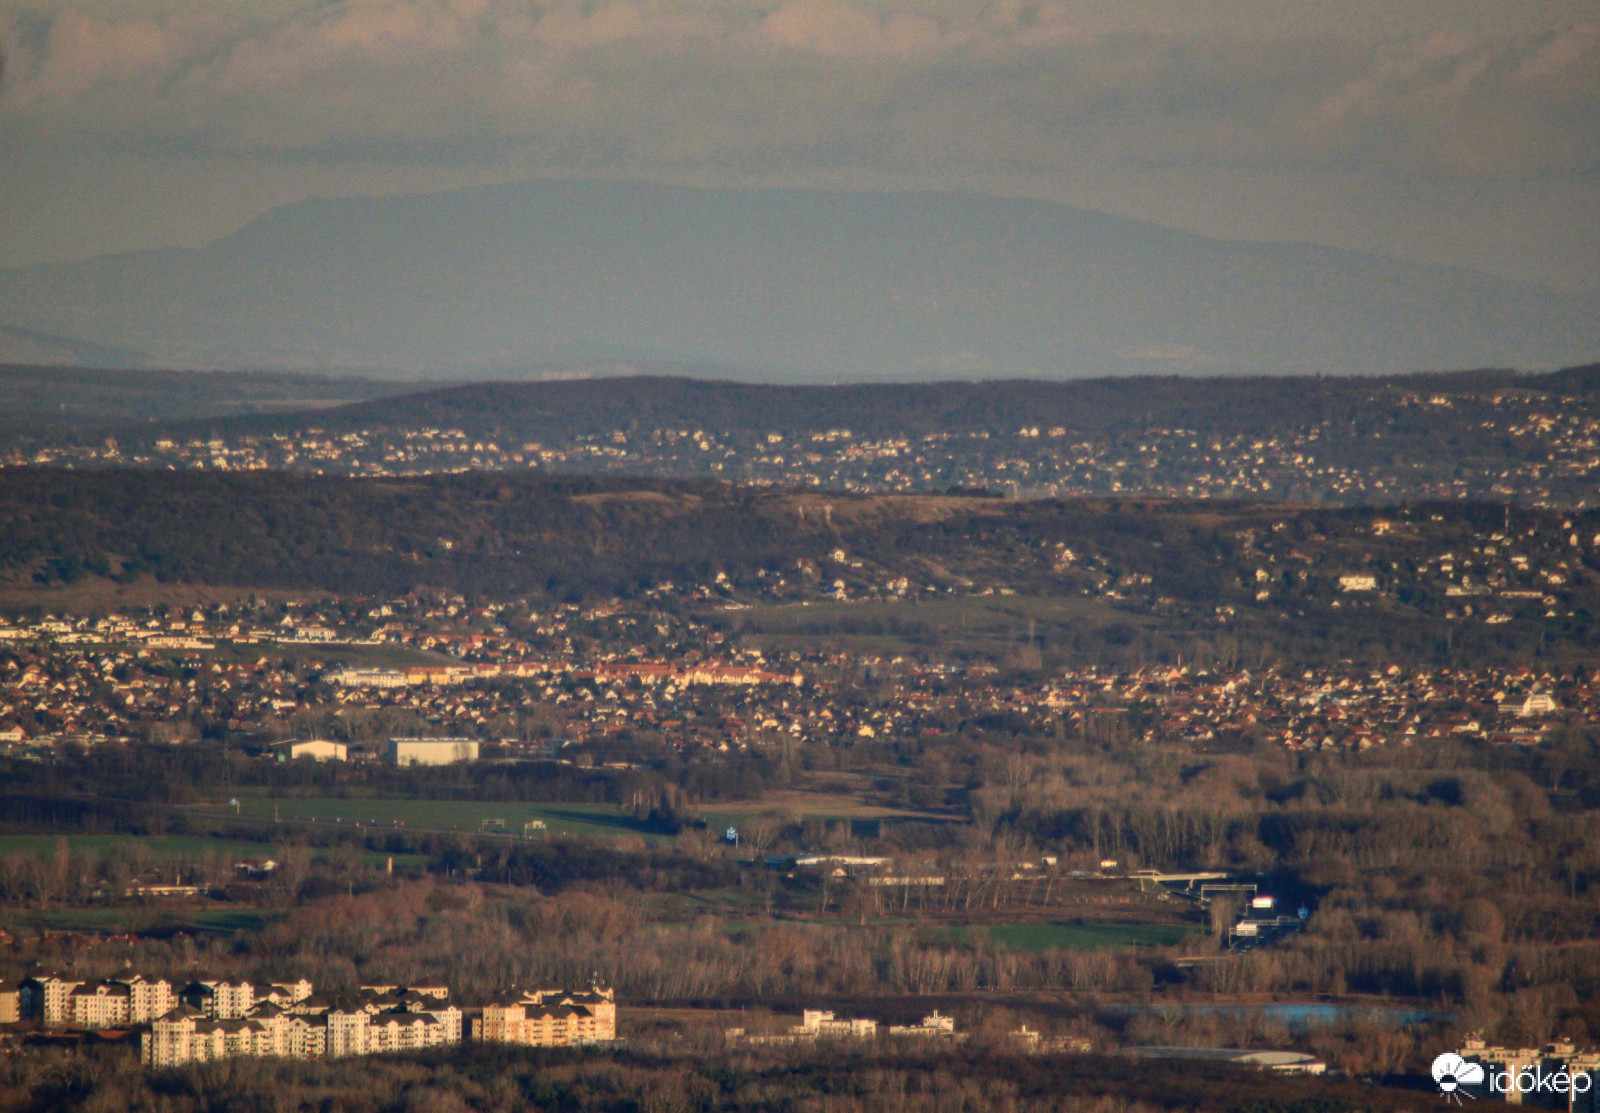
column 1465, row 132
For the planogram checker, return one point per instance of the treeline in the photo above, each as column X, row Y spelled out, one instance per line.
column 131, row 788
column 657, row 1076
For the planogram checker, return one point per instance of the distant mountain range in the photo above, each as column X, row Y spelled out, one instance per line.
column 20, row 346
column 792, row 286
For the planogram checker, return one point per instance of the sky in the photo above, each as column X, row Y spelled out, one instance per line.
column 1463, row 132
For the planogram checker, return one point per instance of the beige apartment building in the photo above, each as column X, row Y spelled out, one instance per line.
column 550, row 1018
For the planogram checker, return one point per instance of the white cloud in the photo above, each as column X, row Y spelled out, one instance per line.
column 1039, row 93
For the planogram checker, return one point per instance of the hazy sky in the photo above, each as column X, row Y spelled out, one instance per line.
column 1465, row 131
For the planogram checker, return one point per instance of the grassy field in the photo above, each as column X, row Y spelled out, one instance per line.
column 164, row 848
column 144, row 920
column 443, row 815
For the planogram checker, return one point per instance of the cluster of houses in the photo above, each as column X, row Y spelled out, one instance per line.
column 204, row 1021
column 1319, row 461
column 51, row 692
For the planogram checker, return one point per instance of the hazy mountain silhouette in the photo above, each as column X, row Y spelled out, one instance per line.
column 794, row 285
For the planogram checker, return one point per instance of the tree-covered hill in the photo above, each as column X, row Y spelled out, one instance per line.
column 1424, row 573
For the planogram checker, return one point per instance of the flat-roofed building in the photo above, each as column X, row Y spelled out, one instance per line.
column 318, row 749
column 431, row 751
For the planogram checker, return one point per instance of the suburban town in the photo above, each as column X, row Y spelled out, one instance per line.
column 1551, row 456
column 799, row 556
column 569, row 695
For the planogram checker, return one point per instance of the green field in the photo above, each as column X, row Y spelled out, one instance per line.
column 441, row 815
column 164, row 848
column 216, row 921
column 1082, row 937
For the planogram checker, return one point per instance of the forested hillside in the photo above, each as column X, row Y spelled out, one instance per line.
column 665, row 397
column 1414, row 578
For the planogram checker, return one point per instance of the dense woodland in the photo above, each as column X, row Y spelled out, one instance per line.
column 677, row 1074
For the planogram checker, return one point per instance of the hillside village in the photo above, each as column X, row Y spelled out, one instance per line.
column 1501, row 444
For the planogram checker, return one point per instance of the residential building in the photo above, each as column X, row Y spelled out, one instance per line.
column 99, row 1005
column 148, row 999
column 224, row 1000
column 309, row 1028
column 549, row 1018
column 48, row 999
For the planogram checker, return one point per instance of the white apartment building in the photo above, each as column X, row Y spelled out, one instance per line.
column 149, row 999
column 99, row 1005
column 285, row 994
column 48, row 999
column 224, row 1000
column 113, row 1003
column 313, row 1030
